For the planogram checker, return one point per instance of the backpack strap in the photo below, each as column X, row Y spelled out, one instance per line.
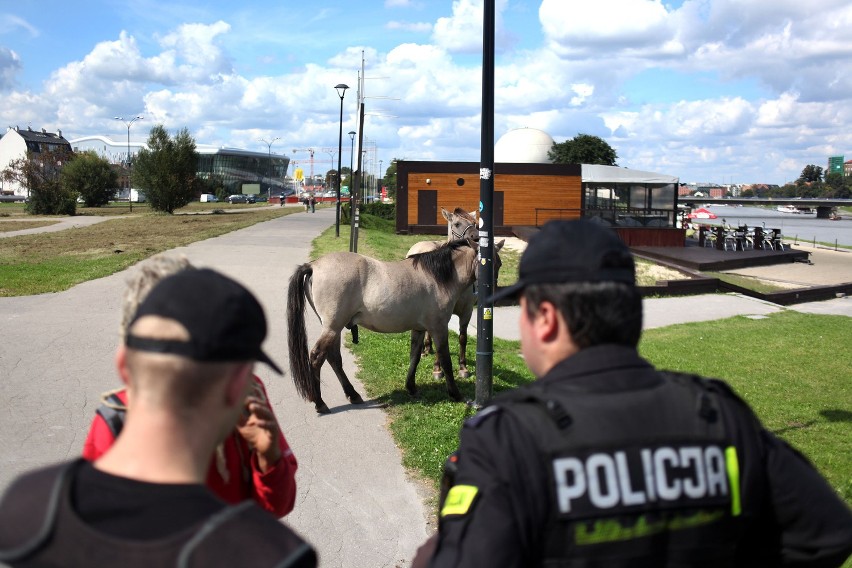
column 28, row 499
column 113, row 412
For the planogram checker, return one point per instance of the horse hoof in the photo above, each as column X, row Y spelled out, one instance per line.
column 464, row 374
column 323, row 409
column 437, row 375
column 356, row 399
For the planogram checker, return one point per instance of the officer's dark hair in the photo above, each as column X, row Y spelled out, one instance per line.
column 595, row 312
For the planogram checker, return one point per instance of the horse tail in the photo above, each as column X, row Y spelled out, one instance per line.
column 297, row 336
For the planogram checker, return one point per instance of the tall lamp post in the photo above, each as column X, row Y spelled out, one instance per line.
column 129, row 123
column 269, row 148
column 341, row 91
column 351, row 149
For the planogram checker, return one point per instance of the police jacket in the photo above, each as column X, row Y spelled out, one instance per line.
column 606, row 461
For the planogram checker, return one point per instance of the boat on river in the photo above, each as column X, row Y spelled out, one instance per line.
column 794, row 209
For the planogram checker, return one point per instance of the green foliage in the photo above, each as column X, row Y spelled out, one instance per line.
column 810, row 174
column 583, row 149
column 90, row 176
column 166, row 170
column 390, row 180
column 40, row 172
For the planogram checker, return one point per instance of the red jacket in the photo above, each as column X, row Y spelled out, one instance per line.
column 240, row 478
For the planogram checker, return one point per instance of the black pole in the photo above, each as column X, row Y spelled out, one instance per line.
column 485, row 280
column 355, row 190
column 129, row 181
column 341, row 91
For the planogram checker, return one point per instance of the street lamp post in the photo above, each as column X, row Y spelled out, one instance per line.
column 269, row 148
column 129, row 123
column 351, row 149
column 341, row 91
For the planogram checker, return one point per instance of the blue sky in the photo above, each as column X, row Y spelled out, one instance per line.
column 708, row 90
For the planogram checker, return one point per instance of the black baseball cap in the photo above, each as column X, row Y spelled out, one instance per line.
column 572, row 251
column 224, row 320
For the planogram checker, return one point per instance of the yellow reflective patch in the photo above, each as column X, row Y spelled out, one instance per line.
column 459, row 499
column 733, row 466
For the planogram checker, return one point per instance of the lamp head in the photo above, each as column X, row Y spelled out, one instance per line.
column 341, row 90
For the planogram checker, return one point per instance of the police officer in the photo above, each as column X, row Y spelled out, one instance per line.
column 606, row 461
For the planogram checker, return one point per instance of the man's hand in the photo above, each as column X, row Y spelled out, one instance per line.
column 260, row 429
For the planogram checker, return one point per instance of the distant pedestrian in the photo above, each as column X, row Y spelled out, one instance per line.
column 313, row 201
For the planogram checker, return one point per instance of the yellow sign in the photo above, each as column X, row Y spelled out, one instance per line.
column 486, row 313
column 299, row 174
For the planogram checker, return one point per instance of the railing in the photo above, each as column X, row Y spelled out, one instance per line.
column 664, row 218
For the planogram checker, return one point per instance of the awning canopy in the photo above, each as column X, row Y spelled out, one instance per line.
column 593, row 173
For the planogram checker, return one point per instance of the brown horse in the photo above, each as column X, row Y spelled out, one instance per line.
column 345, row 289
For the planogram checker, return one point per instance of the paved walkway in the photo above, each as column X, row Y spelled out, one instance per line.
column 355, row 502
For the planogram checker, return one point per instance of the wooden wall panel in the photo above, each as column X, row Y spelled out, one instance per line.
column 523, row 195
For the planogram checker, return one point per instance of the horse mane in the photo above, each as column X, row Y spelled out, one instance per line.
column 438, row 263
column 460, row 212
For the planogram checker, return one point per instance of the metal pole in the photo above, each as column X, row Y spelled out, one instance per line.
column 129, row 166
column 269, row 169
column 485, row 280
column 341, row 91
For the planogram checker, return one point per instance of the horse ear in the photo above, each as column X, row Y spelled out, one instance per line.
column 499, row 246
column 446, row 214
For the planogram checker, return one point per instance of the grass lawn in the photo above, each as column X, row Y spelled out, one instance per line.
column 53, row 262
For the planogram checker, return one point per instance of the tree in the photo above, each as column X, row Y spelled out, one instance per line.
column 90, row 176
column 167, row 170
column 811, row 173
column 40, row 173
column 583, row 149
column 389, row 179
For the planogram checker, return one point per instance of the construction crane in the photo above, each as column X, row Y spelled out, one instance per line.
column 311, row 152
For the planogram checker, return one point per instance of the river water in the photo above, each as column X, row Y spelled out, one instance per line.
column 805, row 228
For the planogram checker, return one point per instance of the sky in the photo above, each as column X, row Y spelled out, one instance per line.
column 711, row 91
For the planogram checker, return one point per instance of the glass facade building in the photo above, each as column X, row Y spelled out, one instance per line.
column 230, row 167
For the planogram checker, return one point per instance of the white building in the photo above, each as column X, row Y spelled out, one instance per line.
column 17, row 143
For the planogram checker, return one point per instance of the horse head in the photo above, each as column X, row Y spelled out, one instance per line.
column 460, row 224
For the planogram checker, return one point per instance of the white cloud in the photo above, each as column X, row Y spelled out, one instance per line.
column 416, row 27
column 580, row 29
column 10, row 66
column 9, row 23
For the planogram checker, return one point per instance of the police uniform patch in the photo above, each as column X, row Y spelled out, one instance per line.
column 459, row 500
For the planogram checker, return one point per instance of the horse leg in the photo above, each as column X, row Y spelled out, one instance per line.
column 335, row 359
column 443, row 347
column 414, row 360
column 319, row 354
column 463, row 372
column 354, row 329
column 427, row 345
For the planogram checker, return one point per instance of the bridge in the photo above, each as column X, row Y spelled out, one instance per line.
column 823, row 205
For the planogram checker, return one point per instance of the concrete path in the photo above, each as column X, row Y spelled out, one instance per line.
column 61, row 224
column 355, row 502
column 661, row 312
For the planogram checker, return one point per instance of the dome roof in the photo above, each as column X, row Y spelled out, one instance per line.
column 523, row 146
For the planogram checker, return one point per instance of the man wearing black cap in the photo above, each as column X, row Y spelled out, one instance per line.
column 187, row 361
column 606, row 461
